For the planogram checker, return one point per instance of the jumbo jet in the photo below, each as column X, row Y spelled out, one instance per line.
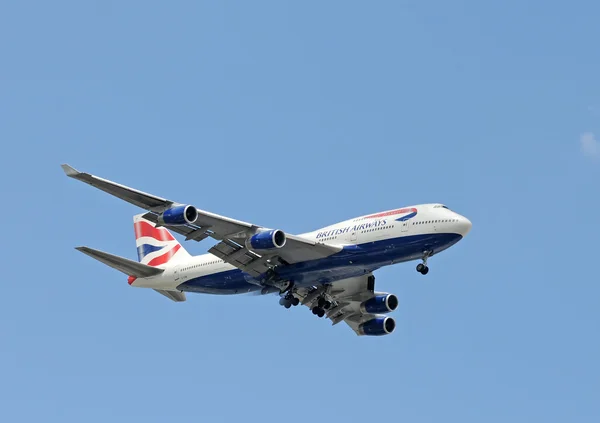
column 329, row 270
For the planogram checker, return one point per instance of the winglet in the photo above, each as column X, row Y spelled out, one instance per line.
column 69, row 171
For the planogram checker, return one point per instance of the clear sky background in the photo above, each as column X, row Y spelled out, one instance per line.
column 296, row 115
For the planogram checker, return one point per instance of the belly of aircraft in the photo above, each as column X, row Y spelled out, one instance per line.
column 351, row 261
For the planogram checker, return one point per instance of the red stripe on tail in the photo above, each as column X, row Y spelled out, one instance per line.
column 145, row 229
column 165, row 257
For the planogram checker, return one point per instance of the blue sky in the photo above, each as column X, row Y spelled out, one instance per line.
column 296, row 115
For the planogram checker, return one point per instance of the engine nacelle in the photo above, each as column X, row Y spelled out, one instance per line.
column 267, row 240
column 179, row 215
column 382, row 303
column 378, row 326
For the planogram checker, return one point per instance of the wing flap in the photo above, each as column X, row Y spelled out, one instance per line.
column 129, row 267
column 239, row 256
column 209, row 224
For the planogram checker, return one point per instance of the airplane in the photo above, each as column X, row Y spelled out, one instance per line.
column 329, row 270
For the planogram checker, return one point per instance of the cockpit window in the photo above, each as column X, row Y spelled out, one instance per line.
column 440, row 206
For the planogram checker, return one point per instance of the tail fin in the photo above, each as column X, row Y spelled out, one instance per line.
column 156, row 246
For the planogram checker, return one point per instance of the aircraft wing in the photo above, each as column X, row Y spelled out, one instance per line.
column 232, row 234
column 346, row 296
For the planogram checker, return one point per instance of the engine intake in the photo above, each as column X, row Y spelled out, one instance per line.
column 267, row 240
column 382, row 303
column 378, row 326
column 179, row 215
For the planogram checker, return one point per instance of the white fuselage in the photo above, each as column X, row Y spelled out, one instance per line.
column 430, row 221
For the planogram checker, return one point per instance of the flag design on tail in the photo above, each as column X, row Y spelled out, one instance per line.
column 155, row 246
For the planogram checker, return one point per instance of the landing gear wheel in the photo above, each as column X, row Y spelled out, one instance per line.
column 295, row 301
column 422, row 267
column 323, row 303
column 321, row 312
column 315, row 310
column 287, row 303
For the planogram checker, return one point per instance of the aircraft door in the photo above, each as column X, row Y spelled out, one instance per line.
column 351, row 235
column 404, row 225
column 176, row 273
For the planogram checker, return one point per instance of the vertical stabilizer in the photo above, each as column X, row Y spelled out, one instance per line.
column 156, row 246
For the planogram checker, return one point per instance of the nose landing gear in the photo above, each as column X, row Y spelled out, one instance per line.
column 422, row 267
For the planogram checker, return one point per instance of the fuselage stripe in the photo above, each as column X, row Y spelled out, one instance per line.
column 391, row 213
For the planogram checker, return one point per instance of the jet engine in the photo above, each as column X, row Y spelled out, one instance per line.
column 267, row 240
column 179, row 215
column 381, row 325
column 381, row 303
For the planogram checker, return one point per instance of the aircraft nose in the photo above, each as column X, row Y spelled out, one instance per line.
column 464, row 225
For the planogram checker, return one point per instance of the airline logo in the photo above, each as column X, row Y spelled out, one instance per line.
column 410, row 213
column 358, row 227
column 405, row 214
column 155, row 246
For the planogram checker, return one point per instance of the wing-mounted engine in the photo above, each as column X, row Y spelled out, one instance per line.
column 178, row 215
column 266, row 240
column 380, row 325
column 382, row 302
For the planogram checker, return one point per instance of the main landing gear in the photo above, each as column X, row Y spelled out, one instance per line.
column 322, row 305
column 422, row 267
column 289, row 300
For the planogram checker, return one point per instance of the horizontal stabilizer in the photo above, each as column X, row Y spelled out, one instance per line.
column 129, row 267
column 172, row 295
